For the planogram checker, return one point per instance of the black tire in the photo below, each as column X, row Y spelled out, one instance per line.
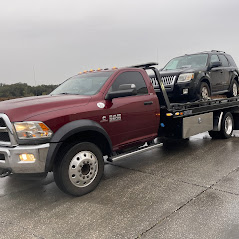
column 79, row 169
column 204, row 91
column 215, row 134
column 233, row 89
column 227, row 126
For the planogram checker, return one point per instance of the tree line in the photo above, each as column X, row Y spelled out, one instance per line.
column 23, row 90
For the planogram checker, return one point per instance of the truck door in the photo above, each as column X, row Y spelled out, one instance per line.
column 131, row 118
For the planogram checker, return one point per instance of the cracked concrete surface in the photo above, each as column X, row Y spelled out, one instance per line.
column 187, row 190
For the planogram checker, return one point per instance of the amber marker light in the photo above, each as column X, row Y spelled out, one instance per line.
column 91, row 70
column 99, row 69
column 181, row 113
column 169, row 114
column 84, row 71
column 27, row 157
column 177, row 113
column 114, row 68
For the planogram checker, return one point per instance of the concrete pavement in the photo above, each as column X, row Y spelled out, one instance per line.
column 186, row 190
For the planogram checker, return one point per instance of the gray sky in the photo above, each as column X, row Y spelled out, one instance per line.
column 58, row 38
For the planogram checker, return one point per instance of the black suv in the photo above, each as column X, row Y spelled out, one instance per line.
column 198, row 76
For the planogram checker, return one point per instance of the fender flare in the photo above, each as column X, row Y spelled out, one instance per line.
column 68, row 130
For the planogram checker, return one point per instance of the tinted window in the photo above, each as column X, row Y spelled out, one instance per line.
column 214, row 58
column 131, row 77
column 224, row 60
column 232, row 62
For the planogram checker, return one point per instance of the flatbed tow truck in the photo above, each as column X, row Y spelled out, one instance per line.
column 114, row 114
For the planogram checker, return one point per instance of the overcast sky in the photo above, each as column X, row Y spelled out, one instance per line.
column 56, row 39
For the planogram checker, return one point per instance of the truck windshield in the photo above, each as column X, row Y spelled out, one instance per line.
column 85, row 84
column 187, row 61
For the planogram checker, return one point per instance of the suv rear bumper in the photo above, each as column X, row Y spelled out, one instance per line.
column 10, row 158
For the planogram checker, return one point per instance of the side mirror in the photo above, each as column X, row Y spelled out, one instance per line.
column 215, row 64
column 124, row 90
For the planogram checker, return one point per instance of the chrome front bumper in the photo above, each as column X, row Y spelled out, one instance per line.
column 10, row 158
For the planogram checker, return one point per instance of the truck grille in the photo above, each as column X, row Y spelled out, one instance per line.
column 4, row 137
column 6, row 131
column 2, row 123
column 167, row 80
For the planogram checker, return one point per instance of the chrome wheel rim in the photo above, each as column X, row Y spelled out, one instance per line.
column 228, row 125
column 83, row 169
column 234, row 89
column 205, row 93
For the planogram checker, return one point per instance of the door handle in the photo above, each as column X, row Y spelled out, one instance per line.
column 148, row 102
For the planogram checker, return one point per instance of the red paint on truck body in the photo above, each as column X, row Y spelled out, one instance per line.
column 138, row 123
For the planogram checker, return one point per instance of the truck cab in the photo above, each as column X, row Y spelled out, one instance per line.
column 90, row 115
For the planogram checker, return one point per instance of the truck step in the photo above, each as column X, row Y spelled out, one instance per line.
column 140, row 150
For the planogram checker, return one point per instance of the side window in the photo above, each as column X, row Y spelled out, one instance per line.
column 130, row 77
column 214, row 58
column 224, row 60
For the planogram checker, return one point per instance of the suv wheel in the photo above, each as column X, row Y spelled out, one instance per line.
column 234, row 89
column 204, row 91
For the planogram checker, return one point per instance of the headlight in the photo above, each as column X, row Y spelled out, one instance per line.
column 32, row 130
column 185, row 77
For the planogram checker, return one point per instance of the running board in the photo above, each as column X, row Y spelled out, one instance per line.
column 140, row 150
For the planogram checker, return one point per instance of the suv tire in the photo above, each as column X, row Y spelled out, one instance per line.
column 204, row 91
column 233, row 89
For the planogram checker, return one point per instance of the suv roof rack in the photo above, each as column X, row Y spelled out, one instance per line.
column 218, row 51
column 146, row 65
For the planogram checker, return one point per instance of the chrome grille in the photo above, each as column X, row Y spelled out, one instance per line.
column 167, row 80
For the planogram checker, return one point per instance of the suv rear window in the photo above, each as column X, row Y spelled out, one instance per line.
column 224, row 60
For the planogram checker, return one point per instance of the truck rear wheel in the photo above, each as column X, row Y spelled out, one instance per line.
column 227, row 126
column 80, row 169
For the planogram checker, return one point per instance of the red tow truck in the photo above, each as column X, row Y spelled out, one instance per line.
column 100, row 114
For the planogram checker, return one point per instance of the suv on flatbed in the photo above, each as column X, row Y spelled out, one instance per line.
column 198, row 76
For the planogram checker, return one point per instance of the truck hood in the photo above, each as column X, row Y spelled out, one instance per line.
column 24, row 108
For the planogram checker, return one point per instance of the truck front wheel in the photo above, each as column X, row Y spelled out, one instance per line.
column 80, row 169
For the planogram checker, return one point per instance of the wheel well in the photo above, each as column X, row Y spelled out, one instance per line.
column 206, row 81
column 86, row 136
column 235, row 78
